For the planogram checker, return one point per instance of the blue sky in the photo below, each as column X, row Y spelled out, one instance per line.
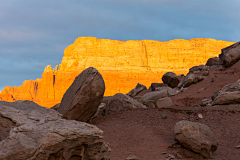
column 34, row 34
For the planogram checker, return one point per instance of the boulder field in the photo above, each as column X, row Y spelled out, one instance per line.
column 122, row 65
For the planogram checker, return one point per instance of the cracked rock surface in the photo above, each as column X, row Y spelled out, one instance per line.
column 33, row 132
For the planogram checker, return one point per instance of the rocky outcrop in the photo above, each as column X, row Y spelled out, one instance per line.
column 122, row 64
column 36, row 132
column 83, row 97
column 196, row 137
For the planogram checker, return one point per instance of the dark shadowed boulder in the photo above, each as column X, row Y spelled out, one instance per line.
column 230, row 54
column 39, row 133
column 81, row 100
column 171, row 79
column 120, row 102
column 136, row 90
column 156, row 85
column 140, row 85
column 189, row 79
column 196, row 137
column 213, row 61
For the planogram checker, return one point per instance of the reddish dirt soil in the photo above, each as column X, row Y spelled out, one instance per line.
column 142, row 132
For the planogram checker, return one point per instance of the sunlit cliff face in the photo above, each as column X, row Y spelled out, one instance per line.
column 122, row 64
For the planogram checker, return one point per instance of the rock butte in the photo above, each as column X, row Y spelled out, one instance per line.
column 122, row 64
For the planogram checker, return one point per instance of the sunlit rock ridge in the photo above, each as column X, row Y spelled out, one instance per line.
column 122, row 64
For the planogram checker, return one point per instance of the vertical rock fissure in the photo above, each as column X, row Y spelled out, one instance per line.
column 145, row 55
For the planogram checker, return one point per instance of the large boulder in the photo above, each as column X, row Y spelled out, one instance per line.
column 120, row 102
column 152, row 97
column 136, row 90
column 230, row 54
column 196, row 137
column 81, row 100
column 35, row 132
column 171, row 79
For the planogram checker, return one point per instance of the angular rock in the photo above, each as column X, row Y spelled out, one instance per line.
column 203, row 67
column 213, row 61
column 195, row 68
column 138, row 98
column 140, row 85
column 227, row 98
column 81, row 100
column 41, row 133
column 204, row 102
column 171, row 91
column 136, row 90
column 188, row 80
column 156, row 85
column 171, row 79
column 200, row 78
column 196, row 137
column 120, row 102
column 230, row 54
column 164, row 102
column 224, row 94
column 154, row 96
column 205, row 73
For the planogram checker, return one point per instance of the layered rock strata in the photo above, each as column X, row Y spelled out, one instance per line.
column 122, row 64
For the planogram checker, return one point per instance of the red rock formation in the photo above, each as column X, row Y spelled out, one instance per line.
column 122, row 64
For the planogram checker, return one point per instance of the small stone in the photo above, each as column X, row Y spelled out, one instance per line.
column 164, row 116
column 163, row 153
column 132, row 157
column 237, row 147
column 200, row 116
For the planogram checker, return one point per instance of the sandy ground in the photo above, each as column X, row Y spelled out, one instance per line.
column 142, row 132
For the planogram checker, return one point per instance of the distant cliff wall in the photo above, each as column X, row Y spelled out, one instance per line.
column 122, row 64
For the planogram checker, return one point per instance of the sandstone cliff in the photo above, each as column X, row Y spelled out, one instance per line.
column 122, row 64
